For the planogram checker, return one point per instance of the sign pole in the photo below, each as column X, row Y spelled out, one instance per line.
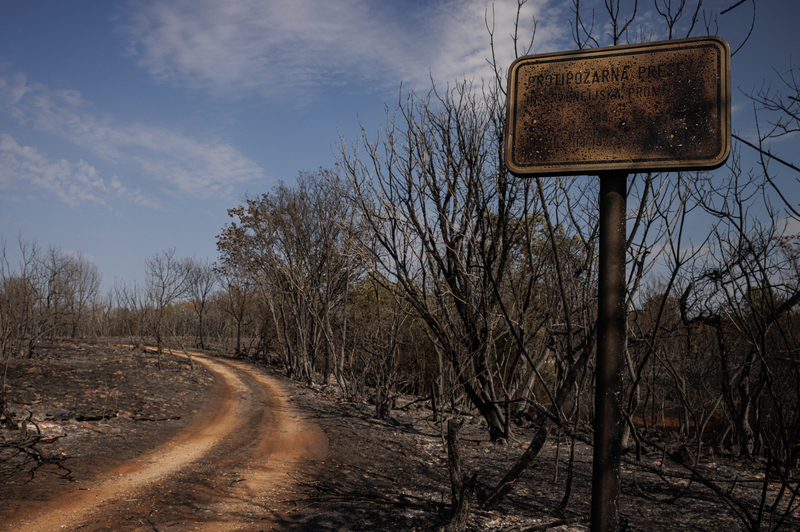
column 610, row 346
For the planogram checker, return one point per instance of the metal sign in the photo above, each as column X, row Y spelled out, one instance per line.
column 647, row 107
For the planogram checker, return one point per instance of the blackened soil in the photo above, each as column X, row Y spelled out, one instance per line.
column 392, row 475
column 106, row 404
column 93, row 406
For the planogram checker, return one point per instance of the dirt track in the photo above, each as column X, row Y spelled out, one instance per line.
column 226, row 471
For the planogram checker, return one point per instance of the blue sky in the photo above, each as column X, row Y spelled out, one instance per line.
column 130, row 127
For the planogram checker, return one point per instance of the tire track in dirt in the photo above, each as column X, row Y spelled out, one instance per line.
column 224, row 472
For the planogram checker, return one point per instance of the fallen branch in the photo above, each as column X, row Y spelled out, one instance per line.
column 337, row 464
column 25, row 453
column 545, row 526
column 153, row 418
column 334, row 493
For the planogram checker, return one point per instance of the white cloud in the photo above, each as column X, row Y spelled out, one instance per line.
column 178, row 162
column 71, row 183
column 136, row 196
column 291, row 50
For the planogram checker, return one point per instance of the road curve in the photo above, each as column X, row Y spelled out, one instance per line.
column 225, row 472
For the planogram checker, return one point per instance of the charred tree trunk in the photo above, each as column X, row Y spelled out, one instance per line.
column 461, row 486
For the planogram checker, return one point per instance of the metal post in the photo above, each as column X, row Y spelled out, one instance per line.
column 610, row 345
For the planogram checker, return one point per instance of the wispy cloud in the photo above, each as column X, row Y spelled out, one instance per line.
column 137, row 196
column 292, row 50
column 177, row 162
column 71, row 183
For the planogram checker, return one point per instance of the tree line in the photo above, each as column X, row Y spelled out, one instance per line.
column 51, row 295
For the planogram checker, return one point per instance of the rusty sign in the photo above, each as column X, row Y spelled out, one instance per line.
column 644, row 107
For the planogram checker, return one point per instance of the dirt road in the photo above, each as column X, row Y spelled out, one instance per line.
column 229, row 470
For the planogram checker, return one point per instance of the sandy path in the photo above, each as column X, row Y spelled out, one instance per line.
column 224, row 473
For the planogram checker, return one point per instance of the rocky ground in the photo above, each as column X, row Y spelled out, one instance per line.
column 98, row 406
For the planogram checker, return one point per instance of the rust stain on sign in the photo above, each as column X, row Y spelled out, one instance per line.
column 649, row 107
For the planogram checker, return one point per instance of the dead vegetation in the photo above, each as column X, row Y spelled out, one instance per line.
column 87, row 405
column 96, row 405
column 394, row 475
